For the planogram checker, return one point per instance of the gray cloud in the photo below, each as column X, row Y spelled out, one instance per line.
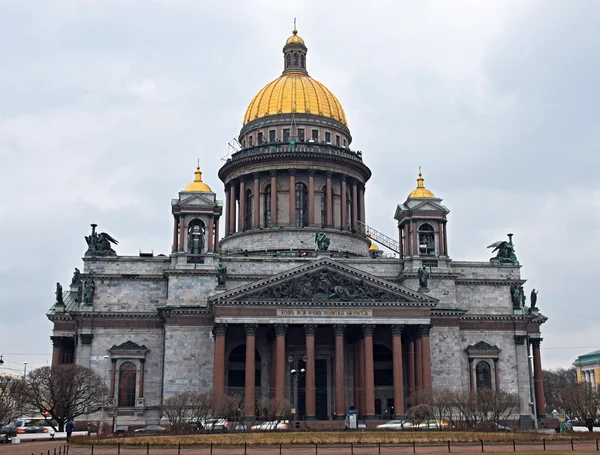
column 106, row 105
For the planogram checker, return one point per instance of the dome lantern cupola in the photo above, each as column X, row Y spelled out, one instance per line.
column 198, row 184
column 420, row 192
column 294, row 54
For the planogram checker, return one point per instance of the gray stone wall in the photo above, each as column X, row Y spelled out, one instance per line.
column 188, row 360
column 447, row 362
column 484, row 298
column 129, row 295
column 126, row 264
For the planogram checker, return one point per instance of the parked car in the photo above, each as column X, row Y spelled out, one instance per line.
column 240, row 427
column 395, row 425
column 433, row 425
column 488, row 425
column 148, row 429
column 123, row 429
column 271, row 426
column 216, row 425
column 3, row 438
column 27, row 426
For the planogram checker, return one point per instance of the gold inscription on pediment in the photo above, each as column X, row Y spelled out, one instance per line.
column 326, row 313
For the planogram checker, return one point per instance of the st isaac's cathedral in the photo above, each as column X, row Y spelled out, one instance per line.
column 296, row 302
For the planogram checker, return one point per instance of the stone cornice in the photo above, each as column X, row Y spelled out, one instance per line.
column 124, row 276
column 113, row 315
column 168, row 310
column 488, row 281
column 324, row 303
column 433, row 275
column 447, row 312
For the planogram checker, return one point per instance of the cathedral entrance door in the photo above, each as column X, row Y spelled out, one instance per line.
column 321, row 392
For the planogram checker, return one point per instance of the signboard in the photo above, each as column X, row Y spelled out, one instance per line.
column 326, row 313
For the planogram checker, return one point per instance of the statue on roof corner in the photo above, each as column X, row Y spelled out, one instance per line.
column 221, row 274
column 59, row 295
column 506, row 252
column 322, row 241
column 99, row 244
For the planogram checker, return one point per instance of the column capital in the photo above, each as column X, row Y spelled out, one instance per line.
column 423, row 330
column 273, row 173
column 344, row 177
column 311, row 172
column 280, row 329
column 251, row 329
column 520, row 339
column 292, row 171
column 329, row 174
column 368, row 329
column 397, row 329
column 310, row 329
column 219, row 329
column 256, row 175
column 535, row 342
column 56, row 341
column 339, row 329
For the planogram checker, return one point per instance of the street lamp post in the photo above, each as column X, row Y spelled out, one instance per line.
column 296, row 376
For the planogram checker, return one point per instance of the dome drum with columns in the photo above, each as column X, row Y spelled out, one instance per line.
column 295, row 174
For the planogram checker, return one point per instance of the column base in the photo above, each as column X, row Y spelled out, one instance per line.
column 370, row 417
column 399, row 416
column 310, row 417
column 249, row 418
column 340, row 417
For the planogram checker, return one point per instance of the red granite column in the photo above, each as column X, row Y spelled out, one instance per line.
column 406, row 240
column 310, row 388
column 219, row 331
column 361, row 204
column 292, row 198
column 142, row 368
column 397, row 367
column 242, row 214
column 401, row 249
column 256, row 202
column 414, row 238
column 369, row 372
column 210, row 235
column 311, row 198
column 340, row 397
column 329, row 204
column 175, row 231
column 250, row 384
column 418, row 364
column 445, row 239
column 227, row 209
column 56, row 350
column 411, row 370
column 232, row 208
column 217, row 234
column 356, row 375
column 273, row 198
column 361, row 361
column 441, row 238
column 280, row 363
column 354, row 206
column 425, row 359
column 344, row 203
column 538, row 379
column 181, row 234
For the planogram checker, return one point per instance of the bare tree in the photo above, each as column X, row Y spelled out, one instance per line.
column 442, row 404
column 185, row 409
column 65, row 391
column 10, row 398
column 580, row 400
column 272, row 409
column 486, row 405
column 556, row 380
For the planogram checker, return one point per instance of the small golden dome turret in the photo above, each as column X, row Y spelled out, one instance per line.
column 294, row 39
column 198, row 184
column 373, row 247
column 420, row 192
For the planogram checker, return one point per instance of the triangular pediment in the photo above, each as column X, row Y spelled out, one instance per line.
column 324, row 281
column 198, row 199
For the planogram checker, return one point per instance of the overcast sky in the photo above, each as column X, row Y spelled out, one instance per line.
column 105, row 106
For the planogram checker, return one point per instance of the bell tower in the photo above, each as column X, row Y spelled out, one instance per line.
column 422, row 229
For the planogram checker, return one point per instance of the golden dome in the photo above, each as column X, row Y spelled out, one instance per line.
column 373, row 247
column 198, row 184
column 295, row 92
column 294, row 39
column 420, row 192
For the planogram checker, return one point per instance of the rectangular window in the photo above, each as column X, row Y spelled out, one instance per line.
column 337, row 140
column 344, row 142
column 260, row 137
column 271, row 135
column 249, row 141
column 315, row 135
column 286, row 134
column 301, row 134
column 328, row 137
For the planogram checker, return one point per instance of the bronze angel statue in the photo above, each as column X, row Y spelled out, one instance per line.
column 505, row 252
column 99, row 244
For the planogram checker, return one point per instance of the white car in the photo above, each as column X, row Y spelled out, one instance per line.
column 270, row 426
column 395, row 425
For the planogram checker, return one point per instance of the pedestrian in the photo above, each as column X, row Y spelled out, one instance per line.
column 589, row 423
column 69, row 429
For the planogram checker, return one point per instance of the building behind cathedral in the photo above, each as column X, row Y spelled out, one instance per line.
column 297, row 282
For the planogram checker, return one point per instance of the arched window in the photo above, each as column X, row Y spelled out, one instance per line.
column 127, row 376
column 426, row 240
column 301, row 205
column 288, row 60
column 483, row 375
column 236, row 370
column 349, row 213
column 302, row 64
column 267, row 210
column 249, row 215
column 196, row 233
column 323, row 206
column 295, row 59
